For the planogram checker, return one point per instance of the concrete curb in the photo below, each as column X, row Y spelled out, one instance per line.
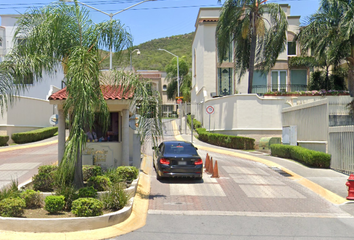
column 69, row 224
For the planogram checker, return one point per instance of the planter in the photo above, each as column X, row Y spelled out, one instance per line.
column 70, row 224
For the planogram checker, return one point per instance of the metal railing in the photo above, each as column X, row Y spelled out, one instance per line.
column 261, row 89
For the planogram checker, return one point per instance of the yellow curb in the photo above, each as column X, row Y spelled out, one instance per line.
column 325, row 193
column 28, row 146
column 136, row 220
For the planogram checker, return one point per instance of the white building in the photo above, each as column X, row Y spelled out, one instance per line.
column 210, row 78
column 31, row 109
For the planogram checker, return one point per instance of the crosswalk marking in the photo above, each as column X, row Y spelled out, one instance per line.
column 213, row 190
column 19, row 166
column 257, row 191
column 244, row 170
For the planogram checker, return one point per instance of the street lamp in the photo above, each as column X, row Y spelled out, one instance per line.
column 138, row 52
column 110, row 16
column 177, row 69
column 179, row 105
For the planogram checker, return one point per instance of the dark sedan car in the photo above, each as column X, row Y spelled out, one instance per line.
column 177, row 159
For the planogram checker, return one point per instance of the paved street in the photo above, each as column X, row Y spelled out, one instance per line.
column 248, row 201
column 23, row 163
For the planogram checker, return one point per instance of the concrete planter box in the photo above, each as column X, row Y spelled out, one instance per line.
column 70, row 224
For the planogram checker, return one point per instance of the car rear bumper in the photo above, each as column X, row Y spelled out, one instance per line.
column 194, row 172
column 172, row 174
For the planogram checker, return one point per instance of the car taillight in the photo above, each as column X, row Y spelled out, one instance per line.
column 198, row 162
column 164, row 161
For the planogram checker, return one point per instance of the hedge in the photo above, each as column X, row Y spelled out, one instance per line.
column 3, row 140
column 34, row 135
column 223, row 140
column 196, row 123
column 306, row 156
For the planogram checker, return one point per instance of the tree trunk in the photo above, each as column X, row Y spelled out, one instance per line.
column 78, row 179
column 252, row 51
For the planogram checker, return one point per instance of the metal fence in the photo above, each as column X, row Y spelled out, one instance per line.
column 341, row 147
column 261, row 89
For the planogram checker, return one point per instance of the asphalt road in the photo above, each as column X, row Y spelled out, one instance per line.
column 248, row 201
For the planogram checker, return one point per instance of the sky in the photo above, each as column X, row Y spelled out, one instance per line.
column 154, row 19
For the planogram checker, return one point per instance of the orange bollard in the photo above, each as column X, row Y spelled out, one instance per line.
column 216, row 170
column 207, row 161
column 210, row 169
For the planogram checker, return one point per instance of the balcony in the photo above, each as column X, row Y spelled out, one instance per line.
column 261, row 89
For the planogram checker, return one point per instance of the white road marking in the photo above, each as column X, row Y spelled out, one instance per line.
column 257, row 191
column 11, row 175
column 214, row 190
column 251, row 214
column 255, row 179
column 244, row 170
column 18, row 166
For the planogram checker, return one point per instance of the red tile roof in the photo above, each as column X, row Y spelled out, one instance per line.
column 109, row 93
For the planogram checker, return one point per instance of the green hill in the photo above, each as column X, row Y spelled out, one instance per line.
column 152, row 59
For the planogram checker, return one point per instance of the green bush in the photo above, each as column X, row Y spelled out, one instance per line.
column 87, row 207
column 306, row 156
column 4, row 140
column 127, row 173
column 87, row 192
column 113, row 176
column 43, row 182
column 54, row 204
column 69, row 194
column 116, row 198
column 223, row 140
column 10, row 191
column 32, row 198
column 47, row 168
column 100, row 183
column 34, row 135
column 89, row 171
column 196, row 123
column 12, row 207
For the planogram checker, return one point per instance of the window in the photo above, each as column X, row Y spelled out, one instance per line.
column 225, row 81
column 298, row 80
column 164, row 87
column 229, row 53
column 27, row 79
column 291, row 48
column 279, row 81
column 259, row 83
column 21, row 41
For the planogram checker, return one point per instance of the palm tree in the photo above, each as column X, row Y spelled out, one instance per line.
column 244, row 23
column 60, row 34
column 329, row 35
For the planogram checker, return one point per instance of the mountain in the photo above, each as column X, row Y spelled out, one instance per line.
column 151, row 58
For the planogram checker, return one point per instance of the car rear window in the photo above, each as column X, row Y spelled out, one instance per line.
column 180, row 148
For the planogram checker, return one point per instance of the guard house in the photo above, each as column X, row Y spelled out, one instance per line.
column 115, row 149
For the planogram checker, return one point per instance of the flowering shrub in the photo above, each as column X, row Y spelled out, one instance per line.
column 321, row 92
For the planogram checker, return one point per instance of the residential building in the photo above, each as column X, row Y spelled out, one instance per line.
column 257, row 115
column 31, row 109
column 159, row 83
column 210, row 78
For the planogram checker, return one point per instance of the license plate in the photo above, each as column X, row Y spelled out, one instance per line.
column 182, row 163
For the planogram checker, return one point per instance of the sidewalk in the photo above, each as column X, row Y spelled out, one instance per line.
column 328, row 183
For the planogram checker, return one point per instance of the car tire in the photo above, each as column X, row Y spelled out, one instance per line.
column 158, row 177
